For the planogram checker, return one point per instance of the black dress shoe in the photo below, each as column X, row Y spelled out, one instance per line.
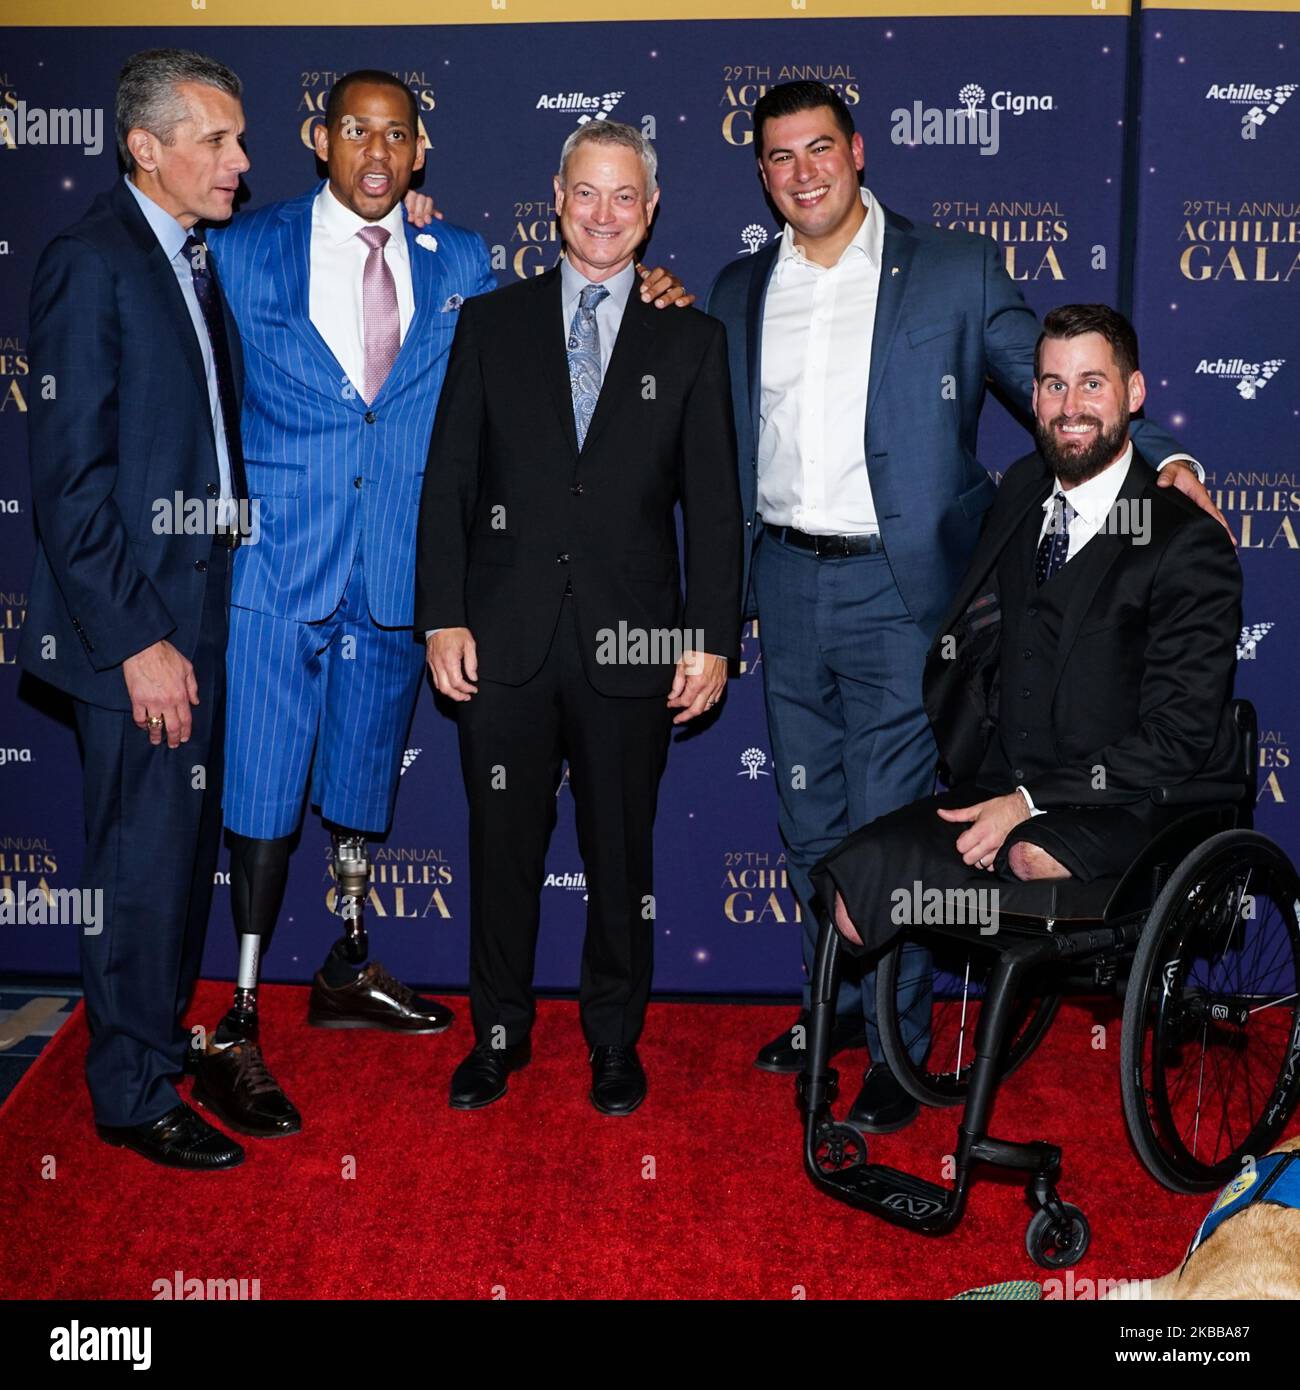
column 781, row 1055
column 617, row 1081
column 481, row 1077
column 181, row 1139
column 375, row 1000
column 234, row 1084
column 882, row 1105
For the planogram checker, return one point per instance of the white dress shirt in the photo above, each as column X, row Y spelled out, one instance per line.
column 818, row 323
column 1092, row 502
column 338, row 261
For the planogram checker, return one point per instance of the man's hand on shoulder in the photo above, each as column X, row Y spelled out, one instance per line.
column 453, row 662
column 160, row 681
column 420, row 209
column 663, row 287
column 1182, row 476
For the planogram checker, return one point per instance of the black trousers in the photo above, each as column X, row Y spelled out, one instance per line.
column 914, row 845
column 513, row 740
column 153, row 831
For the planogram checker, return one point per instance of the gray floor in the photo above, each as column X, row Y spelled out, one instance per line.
column 30, row 1015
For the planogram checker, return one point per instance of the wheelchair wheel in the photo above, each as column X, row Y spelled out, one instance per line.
column 944, row 1075
column 838, row 1147
column 1056, row 1245
column 1210, row 1050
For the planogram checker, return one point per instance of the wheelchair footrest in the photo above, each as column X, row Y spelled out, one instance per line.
column 902, row 1198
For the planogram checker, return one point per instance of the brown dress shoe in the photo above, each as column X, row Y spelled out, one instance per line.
column 234, row 1084
column 375, row 1000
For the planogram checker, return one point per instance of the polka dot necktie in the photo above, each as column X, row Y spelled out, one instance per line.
column 584, row 358
column 1054, row 548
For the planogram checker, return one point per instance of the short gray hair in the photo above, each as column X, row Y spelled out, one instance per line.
column 147, row 98
column 613, row 133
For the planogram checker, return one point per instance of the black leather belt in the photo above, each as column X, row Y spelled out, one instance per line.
column 829, row 547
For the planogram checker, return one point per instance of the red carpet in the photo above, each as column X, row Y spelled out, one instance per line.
column 699, row 1194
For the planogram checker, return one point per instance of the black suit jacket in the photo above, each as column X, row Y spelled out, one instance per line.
column 511, row 510
column 1145, row 659
column 119, row 421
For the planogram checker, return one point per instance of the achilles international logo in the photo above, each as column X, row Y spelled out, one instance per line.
column 408, row 757
column 1255, row 242
column 315, row 92
column 1032, row 233
column 1250, row 378
column 756, row 889
column 744, row 83
column 405, row 881
column 1260, row 508
column 585, row 108
column 1256, row 105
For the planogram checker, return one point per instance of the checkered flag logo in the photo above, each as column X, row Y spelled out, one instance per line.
column 1251, row 636
column 1251, row 386
column 408, row 757
column 607, row 103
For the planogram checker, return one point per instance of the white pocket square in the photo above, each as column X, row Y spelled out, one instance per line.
column 454, row 301
column 430, row 243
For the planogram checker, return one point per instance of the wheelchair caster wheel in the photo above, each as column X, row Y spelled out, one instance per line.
column 1050, row 1246
column 838, row 1147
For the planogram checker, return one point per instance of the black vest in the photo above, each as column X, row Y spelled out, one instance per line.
column 1024, row 745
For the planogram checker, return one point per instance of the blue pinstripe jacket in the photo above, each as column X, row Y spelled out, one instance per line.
column 325, row 469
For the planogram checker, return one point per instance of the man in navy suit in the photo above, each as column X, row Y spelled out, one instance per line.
column 859, row 348
column 130, row 332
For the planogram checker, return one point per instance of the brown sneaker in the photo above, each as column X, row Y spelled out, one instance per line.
column 375, row 1000
column 235, row 1085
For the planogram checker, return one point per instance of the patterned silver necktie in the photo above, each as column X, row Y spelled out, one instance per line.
column 584, row 358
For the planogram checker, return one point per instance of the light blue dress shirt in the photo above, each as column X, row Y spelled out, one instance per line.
column 609, row 312
column 171, row 237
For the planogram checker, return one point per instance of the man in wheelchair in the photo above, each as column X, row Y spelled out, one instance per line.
column 1087, row 660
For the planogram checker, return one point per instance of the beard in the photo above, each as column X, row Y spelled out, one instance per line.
column 1074, row 464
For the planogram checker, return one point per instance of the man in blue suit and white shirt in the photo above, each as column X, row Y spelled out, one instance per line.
column 128, row 616
column 859, row 348
column 347, row 314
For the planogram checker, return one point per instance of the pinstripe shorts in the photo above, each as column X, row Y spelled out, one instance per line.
column 330, row 701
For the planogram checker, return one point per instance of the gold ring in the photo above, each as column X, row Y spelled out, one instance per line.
column 155, row 721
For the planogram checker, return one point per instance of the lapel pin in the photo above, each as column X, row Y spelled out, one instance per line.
column 893, row 270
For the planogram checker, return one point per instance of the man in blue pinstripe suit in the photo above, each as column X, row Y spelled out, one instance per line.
column 346, row 314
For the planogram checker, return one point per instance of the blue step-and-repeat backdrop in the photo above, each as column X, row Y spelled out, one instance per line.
column 1145, row 158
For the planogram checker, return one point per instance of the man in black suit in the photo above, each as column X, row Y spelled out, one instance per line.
column 1086, row 661
column 137, row 487
column 547, row 579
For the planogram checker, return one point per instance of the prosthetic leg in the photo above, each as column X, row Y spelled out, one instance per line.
column 259, row 870
column 231, row 1076
column 348, row 955
column 350, row 991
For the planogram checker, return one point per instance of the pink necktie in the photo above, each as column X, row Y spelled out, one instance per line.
column 381, row 325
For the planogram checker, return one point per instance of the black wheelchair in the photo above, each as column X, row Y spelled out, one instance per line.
column 1201, row 940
